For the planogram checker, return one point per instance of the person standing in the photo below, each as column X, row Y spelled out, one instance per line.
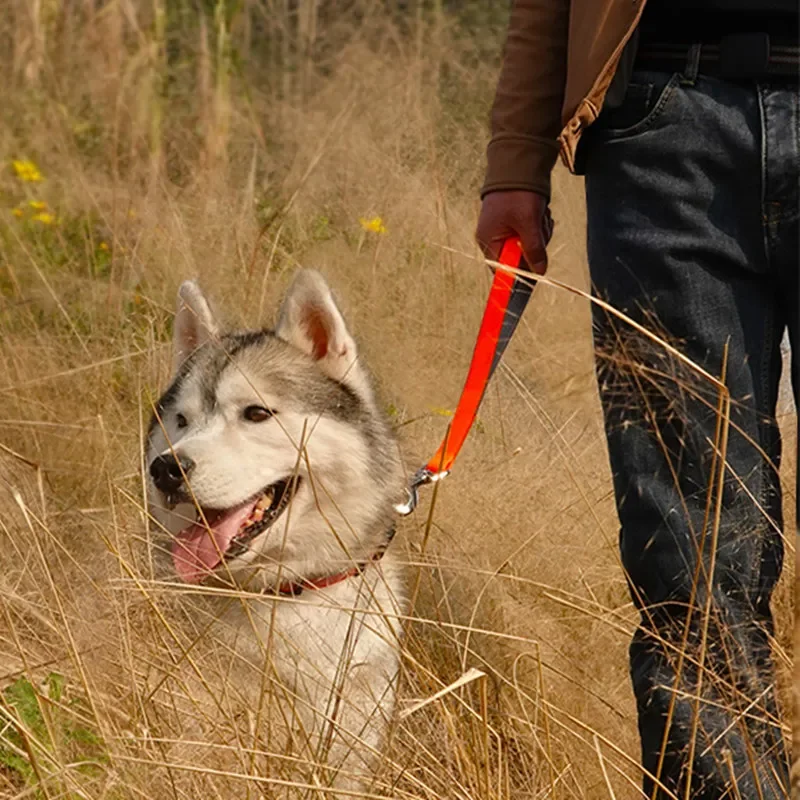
column 683, row 117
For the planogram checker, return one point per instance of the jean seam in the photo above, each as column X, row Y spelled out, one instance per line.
column 764, row 482
column 763, row 367
column 769, row 337
column 764, row 217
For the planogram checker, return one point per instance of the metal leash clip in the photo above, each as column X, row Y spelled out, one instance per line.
column 422, row 477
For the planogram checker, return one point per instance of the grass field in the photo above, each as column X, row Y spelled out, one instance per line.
column 143, row 142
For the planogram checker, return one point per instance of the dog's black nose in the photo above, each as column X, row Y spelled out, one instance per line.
column 168, row 472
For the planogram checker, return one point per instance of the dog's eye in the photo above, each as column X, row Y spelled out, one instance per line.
column 257, row 413
column 181, row 421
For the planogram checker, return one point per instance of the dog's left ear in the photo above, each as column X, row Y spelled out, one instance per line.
column 194, row 323
column 311, row 321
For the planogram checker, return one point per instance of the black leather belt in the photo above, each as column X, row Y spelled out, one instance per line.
column 738, row 56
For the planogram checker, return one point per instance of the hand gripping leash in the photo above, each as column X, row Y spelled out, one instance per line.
column 507, row 300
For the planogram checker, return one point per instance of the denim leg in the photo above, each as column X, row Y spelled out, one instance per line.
column 675, row 186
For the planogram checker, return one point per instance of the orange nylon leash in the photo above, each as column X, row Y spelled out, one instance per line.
column 507, row 300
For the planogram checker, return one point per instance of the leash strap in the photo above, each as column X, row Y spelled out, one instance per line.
column 507, row 300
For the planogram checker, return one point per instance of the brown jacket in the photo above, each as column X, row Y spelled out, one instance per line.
column 559, row 61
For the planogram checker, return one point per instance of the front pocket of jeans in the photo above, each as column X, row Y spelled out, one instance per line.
column 644, row 98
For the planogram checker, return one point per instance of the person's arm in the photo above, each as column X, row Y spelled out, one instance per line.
column 526, row 115
column 526, row 122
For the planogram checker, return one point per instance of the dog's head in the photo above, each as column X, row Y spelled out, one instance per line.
column 267, row 453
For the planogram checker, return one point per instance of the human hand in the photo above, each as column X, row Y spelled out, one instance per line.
column 516, row 213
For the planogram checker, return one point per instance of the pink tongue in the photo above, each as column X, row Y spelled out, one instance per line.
column 197, row 550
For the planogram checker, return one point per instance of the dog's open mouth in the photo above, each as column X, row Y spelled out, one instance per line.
column 202, row 546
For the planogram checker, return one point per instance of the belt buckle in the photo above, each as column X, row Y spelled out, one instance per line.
column 743, row 55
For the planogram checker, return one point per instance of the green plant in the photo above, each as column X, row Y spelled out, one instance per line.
column 42, row 729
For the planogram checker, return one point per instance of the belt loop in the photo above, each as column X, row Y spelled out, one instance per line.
column 692, row 65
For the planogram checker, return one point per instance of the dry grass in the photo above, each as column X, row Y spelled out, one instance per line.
column 233, row 146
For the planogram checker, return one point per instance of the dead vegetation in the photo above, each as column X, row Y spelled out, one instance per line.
column 232, row 142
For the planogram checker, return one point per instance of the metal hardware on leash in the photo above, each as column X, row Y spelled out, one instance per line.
column 507, row 300
column 421, row 477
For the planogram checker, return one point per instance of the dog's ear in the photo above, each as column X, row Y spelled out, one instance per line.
column 194, row 323
column 311, row 321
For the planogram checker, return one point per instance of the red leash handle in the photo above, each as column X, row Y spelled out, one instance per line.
column 507, row 299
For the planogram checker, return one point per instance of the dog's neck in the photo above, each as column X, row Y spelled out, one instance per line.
column 296, row 588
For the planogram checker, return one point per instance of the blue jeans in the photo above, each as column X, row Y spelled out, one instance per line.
column 692, row 202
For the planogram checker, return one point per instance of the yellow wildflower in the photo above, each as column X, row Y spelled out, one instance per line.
column 37, row 205
column 372, row 224
column 27, row 171
column 17, row 212
column 442, row 412
column 103, row 246
column 44, row 217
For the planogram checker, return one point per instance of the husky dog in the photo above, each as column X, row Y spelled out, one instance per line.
column 274, row 471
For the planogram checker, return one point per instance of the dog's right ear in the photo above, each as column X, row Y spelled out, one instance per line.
column 194, row 323
column 311, row 321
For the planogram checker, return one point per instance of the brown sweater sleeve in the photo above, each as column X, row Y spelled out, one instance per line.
column 526, row 115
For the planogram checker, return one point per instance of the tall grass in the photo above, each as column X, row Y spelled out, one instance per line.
column 234, row 141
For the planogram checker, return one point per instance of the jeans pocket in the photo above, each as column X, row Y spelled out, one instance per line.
column 646, row 99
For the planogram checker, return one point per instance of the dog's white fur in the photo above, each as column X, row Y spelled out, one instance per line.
column 335, row 649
